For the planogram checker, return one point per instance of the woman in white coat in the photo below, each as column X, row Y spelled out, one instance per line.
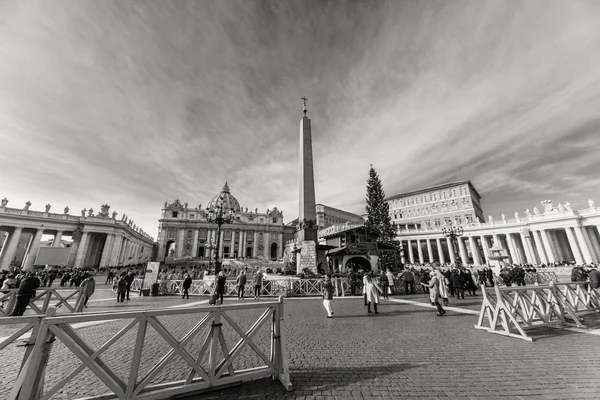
column 372, row 290
column 443, row 287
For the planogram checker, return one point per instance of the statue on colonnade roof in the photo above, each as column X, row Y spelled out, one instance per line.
column 48, row 207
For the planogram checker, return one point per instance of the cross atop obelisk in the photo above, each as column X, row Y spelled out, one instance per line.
column 304, row 107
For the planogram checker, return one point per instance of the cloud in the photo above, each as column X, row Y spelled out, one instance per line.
column 177, row 97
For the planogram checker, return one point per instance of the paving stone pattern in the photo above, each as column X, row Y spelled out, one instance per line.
column 405, row 351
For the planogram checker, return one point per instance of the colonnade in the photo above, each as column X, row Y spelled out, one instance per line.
column 528, row 245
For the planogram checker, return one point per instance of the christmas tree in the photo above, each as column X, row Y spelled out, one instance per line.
column 378, row 210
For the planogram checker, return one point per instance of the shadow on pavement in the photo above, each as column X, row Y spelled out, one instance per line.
column 321, row 379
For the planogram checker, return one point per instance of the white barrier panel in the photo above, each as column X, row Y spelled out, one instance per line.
column 210, row 364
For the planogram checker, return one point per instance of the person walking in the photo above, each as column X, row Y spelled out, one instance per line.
column 220, row 285
column 434, row 293
column 109, row 277
column 372, row 290
column 25, row 293
column 364, row 288
column 458, row 283
column 89, row 286
column 409, row 281
column 129, row 280
column 258, row 278
column 443, row 286
column 391, row 287
column 187, row 283
column 490, row 276
column 121, row 288
column 328, row 295
column 384, row 284
column 9, row 283
column 241, row 284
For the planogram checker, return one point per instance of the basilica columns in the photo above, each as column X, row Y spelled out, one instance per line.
column 486, row 249
column 430, row 251
column 545, row 240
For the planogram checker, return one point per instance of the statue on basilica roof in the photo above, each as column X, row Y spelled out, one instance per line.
column 83, row 212
column 568, row 206
column 48, row 208
column 66, row 210
column 591, row 204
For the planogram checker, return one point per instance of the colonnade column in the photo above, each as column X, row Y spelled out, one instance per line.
column 33, row 249
column 585, row 250
column 82, row 249
column 528, row 246
column 410, row 252
column 555, row 243
column 11, row 248
column 474, row 250
column 574, row 247
column 57, row 239
column 420, row 251
column 511, row 250
column 515, row 245
column 486, row 249
column 440, row 251
column 539, row 246
column 279, row 247
column 107, row 251
column 594, row 242
column 451, row 250
column 255, row 246
column 463, row 251
column 549, row 251
column 116, row 251
column 430, row 251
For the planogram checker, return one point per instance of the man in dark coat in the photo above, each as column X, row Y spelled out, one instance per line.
column 490, row 276
column 187, row 283
column 25, row 293
column 594, row 276
column 458, row 283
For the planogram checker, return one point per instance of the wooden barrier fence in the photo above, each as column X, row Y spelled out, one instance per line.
column 44, row 298
column 222, row 368
column 510, row 311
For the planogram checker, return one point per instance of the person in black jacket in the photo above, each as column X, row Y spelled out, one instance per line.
column 187, row 283
column 490, row 276
column 25, row 293
column 458, row 283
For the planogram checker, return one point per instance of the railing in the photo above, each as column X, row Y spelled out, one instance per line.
column 44, row 298
column 202, row 349
column 510, row 310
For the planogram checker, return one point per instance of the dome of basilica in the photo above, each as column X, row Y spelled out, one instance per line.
column 229, row 202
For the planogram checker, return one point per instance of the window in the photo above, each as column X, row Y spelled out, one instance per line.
column 469, row 218
column 457, row 220
column 174, row 214
column 434, row 196
column 454, row 205
column 428, row 224
column 448, row 221
column 275, row 220
column 436, row 222
column 191, row 215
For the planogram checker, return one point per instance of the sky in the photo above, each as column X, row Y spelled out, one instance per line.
column 136, row 103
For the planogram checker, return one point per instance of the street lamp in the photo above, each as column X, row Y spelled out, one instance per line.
column 219, row 216
column 453, row 232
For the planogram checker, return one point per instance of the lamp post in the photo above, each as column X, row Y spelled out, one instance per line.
column 219, row 216
column 453, row 232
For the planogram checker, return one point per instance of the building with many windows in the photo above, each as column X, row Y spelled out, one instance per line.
column 451, row 203
column 328, row 216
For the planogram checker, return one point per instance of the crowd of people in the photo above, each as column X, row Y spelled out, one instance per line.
column 27, row 282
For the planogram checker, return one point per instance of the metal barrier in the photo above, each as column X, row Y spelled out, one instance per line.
column 48, row 297
column 221, row 368
column 510, row 310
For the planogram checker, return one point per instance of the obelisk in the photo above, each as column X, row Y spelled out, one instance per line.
column 307, row 217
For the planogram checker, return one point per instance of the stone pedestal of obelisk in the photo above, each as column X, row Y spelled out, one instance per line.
column 306, row 234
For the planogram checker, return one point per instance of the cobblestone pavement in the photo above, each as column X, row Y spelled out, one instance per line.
column 405, row 351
